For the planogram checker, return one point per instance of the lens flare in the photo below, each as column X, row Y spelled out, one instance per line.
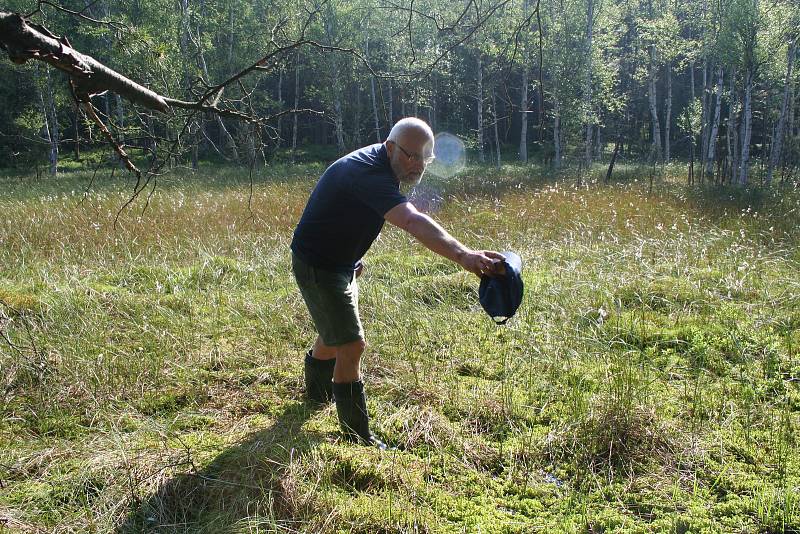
column 450, row 156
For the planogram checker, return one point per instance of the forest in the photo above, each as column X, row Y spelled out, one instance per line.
column 564, row 83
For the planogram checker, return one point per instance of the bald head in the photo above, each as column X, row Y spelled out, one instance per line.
column 410, row 149
column 410, row 126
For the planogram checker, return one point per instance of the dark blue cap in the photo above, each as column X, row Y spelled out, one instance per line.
column 501, row 296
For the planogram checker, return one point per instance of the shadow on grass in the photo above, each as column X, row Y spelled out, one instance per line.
column 238, row 486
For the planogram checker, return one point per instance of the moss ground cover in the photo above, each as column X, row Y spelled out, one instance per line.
column 151, row 362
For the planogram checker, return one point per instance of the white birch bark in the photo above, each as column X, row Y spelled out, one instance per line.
column 337, row 120
column 375, row 111
column 391, row 105
column 296, row 102
column 225, row 138
column 712, row 138
column 523, row 119
column 705, row 113
column 556, row 105
column 55, row 132
column 747, row 125
column 587, row 84
column 523, row 102
column 432, row 110
column 704, row 94
column 730, row 148
column 777, row 142
column 734, row 117
column 377, row 125
column 556, row 133
column 336, row 85
column 653, row 99
column 50, row 129
column 77, row 145
column 598, row 144
column 357, row 116
column 120, row 107
column 496, row 134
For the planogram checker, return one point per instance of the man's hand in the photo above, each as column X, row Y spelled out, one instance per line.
column 359, row 269
column 483, row 262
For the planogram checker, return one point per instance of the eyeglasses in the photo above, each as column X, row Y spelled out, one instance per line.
column 427, row 160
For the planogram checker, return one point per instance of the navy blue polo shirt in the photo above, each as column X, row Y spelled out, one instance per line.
column 344, row 214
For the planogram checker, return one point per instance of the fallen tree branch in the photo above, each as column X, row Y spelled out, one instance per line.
column 23, row 40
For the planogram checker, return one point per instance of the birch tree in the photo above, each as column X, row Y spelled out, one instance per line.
column 780, row 130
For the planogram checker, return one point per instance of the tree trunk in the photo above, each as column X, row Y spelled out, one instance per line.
column 496, row 134
column 735, row 128
column 777, row 142
column 279, row 126
column 432, row 113
column 704, row 115
column 48, row 108
column 120, row 107
column 730, row 129
column 656, row 127
column 479, row 97
column 225, row 138
column 793, row 130
column 296, row 102
column 338, row 121
column 523, row 112
column 356, row 139
column 587, row 84
column 391, row 106
column 523, row 99
column 375, row 110
column 556, row 133
column 372, row 93
column 432, row 104
column 747, row 124
column 712, row 138
column 598, row 144
column 77, row 145
column 668, row 114
column 613, row 159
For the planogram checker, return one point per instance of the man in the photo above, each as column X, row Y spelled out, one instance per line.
column 343, row 217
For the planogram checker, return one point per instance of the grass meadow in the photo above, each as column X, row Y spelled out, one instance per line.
column 151, row 361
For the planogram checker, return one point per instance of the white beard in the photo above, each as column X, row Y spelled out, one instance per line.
column 412, row 182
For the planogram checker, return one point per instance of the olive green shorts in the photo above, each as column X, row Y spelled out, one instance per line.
column 332, row 301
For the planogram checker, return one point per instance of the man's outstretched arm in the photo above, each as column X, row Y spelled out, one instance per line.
column 432, row 235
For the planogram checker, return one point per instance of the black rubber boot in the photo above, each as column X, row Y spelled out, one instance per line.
column 351, row 406
column 319, row 379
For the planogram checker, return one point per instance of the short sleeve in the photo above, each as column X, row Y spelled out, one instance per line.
column 378, row 191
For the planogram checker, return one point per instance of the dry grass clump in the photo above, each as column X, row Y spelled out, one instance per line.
column 609, row 441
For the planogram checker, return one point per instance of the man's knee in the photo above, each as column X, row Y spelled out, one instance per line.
column 352, row 349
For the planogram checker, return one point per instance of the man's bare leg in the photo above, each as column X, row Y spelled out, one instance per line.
column 348, row 361
column 321, row 351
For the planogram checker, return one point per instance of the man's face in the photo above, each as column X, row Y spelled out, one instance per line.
column 408, row 154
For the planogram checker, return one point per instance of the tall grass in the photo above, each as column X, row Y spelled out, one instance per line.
column 151, row 361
